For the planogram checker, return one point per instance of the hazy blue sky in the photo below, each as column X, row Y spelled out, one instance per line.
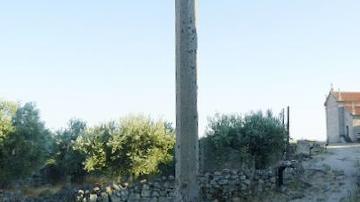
column 99, row 60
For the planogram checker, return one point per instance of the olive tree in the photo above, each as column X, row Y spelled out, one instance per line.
column 24, row 141
column 132, row 147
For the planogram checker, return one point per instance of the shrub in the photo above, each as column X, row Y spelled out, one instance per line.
column 264, row 136
column 135, row 146
column 66, row 161
column 261, row 136
column 94, row 145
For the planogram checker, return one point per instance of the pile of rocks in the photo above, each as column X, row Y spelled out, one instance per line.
column 308, row 148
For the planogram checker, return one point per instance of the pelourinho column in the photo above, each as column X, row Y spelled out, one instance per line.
column 187, row 149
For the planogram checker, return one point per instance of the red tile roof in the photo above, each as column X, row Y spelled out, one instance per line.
column 347, row 96
column 350, row 100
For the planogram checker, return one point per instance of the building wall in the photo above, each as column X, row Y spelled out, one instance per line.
column 332, row 120
column 356, row 126
column 348, row 120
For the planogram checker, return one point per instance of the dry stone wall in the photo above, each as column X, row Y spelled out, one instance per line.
column 226, row 185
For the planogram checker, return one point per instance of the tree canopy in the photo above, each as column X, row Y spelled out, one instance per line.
column 24, row 140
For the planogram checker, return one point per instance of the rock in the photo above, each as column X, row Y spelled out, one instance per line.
column 115, row 199
column 96, row 189
column 242, row 177
column 223, row 182
column 116, row 187
column 104, row 197
column 243, row 187
column 338, row 173
column 145, row 186
column 296, row 195
column 155, row 194
column 171, row 177
column 225, row 171
column 303, row 147
column 93, row 197
column 134, row 196
column 156, row 185
column 236, row 199
column 247, row 182
column 165, row 199
column 145, row 193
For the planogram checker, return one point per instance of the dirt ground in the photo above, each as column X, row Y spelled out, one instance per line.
column 330, row 176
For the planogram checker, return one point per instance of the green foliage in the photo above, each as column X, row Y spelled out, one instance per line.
column 262, row 136
column 265, row 136
column 133, row 147
column 7, row 112
column 24, row 141
column 140, row 146
column 94, row 144
column 224, row 130
column 65, row 160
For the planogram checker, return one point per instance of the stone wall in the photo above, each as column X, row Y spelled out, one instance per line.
column 348, row 123
column 160, row 189
column 332, row 120
column 356, row 127
column 235, row 185
column 226, row 185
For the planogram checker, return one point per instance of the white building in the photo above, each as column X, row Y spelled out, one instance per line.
column 343, row 116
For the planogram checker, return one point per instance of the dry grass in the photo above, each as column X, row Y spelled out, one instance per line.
column 97, row 180
column 42, row 190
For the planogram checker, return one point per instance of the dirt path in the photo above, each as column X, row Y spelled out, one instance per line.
column 331, row 176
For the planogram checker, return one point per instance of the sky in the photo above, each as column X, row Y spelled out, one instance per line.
column 101, row 60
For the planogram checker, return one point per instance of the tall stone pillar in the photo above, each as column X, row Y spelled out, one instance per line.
column 187, row 148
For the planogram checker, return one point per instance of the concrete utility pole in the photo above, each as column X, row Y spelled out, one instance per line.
column 187, row 148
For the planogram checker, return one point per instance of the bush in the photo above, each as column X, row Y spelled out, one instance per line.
column 24, row 143
column 94, row 145
column 66, row 161
column 134, row 146
column 261, row 136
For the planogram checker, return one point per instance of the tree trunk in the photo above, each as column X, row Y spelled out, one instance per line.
column 187, row 164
